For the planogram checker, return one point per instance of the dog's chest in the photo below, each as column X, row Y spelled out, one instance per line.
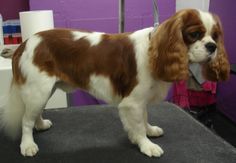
column 159, row 91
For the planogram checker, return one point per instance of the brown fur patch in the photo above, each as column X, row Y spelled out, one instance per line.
column 17, row 75
column 169, row 47
column 74, row 61
column 192, row 23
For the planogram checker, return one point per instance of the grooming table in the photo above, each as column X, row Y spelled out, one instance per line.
column 95, row 134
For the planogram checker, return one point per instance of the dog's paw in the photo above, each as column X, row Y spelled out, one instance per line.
column 43, row 125
column 29, row 149
column 150, row 149
column 154, row 131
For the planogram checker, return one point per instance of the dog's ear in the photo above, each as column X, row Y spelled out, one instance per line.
column 218, row 69
column 168, row 51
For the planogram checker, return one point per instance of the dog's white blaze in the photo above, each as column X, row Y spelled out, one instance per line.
column 208, row 21
column 101, row 87
column 94, row 38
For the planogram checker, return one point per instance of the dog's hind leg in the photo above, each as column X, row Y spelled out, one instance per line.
column 43, row 124
column 35, row 95
column 152, row 131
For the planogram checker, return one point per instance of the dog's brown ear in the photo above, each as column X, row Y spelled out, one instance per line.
column 218, row 69
column 168, row 52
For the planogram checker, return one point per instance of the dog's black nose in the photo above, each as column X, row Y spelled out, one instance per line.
column 211, row 47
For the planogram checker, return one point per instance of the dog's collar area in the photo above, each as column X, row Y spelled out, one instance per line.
column 156, row 25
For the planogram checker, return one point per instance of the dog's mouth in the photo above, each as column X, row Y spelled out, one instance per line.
column 205, row 61
column 208, row 59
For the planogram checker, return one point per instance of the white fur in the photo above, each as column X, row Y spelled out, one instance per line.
column 78, row 35
column 100, row 86
column 207, row 20
column 94, row 38
column 197, row 51
column 12, row 112
column 42, row 124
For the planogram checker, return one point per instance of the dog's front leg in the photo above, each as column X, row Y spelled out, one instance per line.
column 131, row 115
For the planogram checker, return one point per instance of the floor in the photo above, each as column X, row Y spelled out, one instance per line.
column 216, row 122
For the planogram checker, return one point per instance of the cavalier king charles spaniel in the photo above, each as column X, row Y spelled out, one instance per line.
column 131, row 70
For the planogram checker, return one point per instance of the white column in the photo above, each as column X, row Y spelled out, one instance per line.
column 197, row 4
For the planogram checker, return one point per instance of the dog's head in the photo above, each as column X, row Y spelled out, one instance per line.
column 187, row 37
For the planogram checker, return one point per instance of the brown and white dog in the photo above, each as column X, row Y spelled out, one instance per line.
column 131, row 70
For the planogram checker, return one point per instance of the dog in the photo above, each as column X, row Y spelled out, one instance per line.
column 130, row 70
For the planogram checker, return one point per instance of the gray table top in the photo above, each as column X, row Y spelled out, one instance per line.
column 95, row 134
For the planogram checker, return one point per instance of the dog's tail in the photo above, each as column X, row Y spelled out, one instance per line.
column 11, row 112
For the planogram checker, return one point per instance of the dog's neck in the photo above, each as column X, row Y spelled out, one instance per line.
column 152, row 33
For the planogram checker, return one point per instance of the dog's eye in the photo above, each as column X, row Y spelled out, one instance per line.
column 195, row 35
column 215, row 36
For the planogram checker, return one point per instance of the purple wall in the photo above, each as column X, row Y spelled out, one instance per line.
column 226, row 93
column 102, row 16
column 82, row 14
column 10, row 8
column 226, row 11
